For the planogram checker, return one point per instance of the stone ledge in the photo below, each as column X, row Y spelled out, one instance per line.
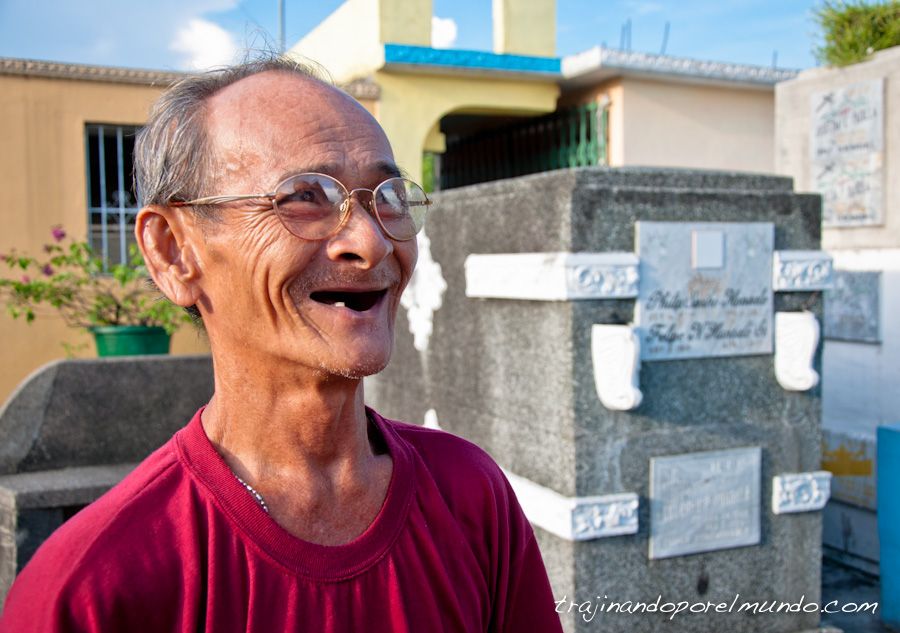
column 60, row 488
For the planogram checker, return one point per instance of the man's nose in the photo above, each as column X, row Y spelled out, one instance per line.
column 361, row 238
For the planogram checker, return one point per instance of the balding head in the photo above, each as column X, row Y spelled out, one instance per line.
column 171, row 157
column 251, row 123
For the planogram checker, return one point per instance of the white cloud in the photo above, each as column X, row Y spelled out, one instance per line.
column 203, row 45
column 443, row 32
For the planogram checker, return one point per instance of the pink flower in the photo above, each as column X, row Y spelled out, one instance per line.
column 58, row 233
column 47, row 270
column 26, row 279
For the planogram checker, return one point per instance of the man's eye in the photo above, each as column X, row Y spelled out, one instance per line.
column 308, row 196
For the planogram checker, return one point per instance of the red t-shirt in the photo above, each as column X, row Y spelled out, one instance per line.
column 180, row 545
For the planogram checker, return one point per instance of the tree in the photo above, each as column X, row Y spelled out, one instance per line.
column 854, row 30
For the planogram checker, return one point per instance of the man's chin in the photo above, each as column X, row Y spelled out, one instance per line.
column 356, row 370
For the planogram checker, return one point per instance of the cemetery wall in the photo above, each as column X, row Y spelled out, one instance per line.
column 838, row 134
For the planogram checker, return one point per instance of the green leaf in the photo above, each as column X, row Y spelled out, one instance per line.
column 83, row 291
column 851, row 31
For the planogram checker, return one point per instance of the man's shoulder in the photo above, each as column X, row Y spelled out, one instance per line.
column 459, row 467
column 122, row 520
column 438, row 447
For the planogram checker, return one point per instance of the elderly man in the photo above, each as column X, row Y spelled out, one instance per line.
column 274, row 210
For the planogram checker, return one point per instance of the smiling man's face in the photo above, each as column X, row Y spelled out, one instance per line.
column 330, row 304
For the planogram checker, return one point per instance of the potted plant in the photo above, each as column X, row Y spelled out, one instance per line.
column 118, row 303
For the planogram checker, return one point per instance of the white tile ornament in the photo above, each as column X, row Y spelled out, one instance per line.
column 796, row 340
column 707, row 249
column 801, row 271
column 602, row 275
column 800, row 492
column 602, row 516
column 576, row 518
column 552, row 276
column 616, row 355
column 423, row 295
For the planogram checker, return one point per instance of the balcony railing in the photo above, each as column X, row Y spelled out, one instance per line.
column 575, row 137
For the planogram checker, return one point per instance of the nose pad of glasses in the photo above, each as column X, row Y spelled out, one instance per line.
column 367, row 207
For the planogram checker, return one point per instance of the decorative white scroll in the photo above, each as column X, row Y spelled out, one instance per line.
column 796, row 340
column 423, row 295
column 610, row 515
column 576, row 518
column 801, row 271
column 800, row 492
column 616, row 354
column 552, row 276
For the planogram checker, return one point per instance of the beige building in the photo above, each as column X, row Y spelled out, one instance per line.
column 674, row 112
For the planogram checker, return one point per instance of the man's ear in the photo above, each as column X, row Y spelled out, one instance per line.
column 168, row 253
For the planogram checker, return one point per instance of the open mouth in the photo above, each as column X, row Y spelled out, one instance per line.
column 356, row 301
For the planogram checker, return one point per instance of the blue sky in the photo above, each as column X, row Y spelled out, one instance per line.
column 179, row 34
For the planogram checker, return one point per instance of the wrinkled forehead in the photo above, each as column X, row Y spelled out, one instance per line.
column 278, row 122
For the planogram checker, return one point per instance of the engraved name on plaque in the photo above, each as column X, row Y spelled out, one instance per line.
column 700, row 502
column 706, row 289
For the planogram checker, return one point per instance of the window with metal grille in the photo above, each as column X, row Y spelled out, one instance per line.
column 112, row 203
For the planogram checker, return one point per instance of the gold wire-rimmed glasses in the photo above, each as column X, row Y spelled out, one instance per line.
column 315, row 206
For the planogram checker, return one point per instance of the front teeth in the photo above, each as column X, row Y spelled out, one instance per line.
column 340, row 304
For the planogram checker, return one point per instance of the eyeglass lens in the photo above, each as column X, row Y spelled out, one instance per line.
column 311, row 206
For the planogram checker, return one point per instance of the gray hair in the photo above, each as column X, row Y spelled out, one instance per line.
column 172, row 154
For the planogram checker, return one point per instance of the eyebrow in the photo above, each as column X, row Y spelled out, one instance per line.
column 385, row 167
column 390, row 169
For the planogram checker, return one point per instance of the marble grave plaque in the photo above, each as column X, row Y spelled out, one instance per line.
column 852, row 307
column 706, row 289
column 847, row 153
column 700, row 502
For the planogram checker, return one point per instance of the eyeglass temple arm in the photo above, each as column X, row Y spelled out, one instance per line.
column 213, row 200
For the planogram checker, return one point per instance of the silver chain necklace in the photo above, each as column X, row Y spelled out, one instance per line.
column 252, row 491
column 259, row 497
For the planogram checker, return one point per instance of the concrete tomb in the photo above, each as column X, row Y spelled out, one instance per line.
column 611, row 337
